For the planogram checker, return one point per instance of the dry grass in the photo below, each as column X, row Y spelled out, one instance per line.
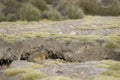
column 112, row 73
column 28, row 72
column 57, row 78
column 88, row 23
column 16, row 71
column 33, row 75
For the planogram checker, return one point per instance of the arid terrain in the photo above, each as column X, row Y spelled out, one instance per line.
column 77, row 49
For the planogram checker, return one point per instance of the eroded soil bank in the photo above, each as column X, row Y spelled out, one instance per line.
column 72, row 51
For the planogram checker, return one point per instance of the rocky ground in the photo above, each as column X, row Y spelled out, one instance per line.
column 91, row 38
column 52, row 69
column 78, row 41
column 62, row 70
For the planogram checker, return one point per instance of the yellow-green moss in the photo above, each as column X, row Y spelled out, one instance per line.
column 33, row 75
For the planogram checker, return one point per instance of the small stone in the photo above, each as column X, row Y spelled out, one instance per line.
column 72, row 33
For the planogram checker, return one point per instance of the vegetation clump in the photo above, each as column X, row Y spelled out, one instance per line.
column 2, row 16
column 33, row 75
column 15, row 71
column 102, row 7
column 57, row 78
column 73, row 12
column 29, row 12
column 52, row 14
column 11, row 17
column 112, row 72
column 68, row 9
column 40, row 4
column 27, row 70
column 50, row 1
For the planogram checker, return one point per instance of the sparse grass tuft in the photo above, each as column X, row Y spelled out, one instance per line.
column 52, row 62
column 15, row 71
column 35, row 66
column 84, row 28
column 10, row 39
column 29, row 72
column 107, row 63
column 111, row 45
column 112, row 42
column 112, row 73
column 33, row 75
column 57, row 78
column 103, row 77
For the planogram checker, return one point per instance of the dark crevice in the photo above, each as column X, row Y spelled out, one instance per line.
column 54, row 55
column 50, row 55
column 5, row 62
column 25, row 56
